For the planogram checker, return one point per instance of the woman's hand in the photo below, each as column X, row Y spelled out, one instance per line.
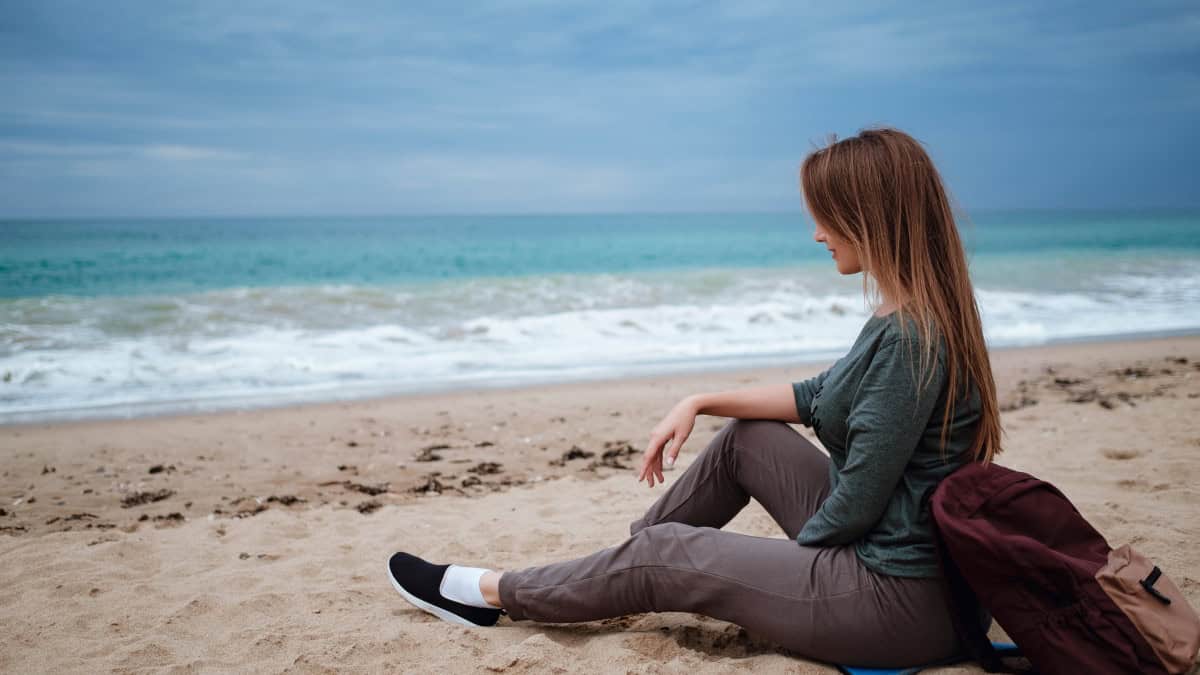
column 674, row 428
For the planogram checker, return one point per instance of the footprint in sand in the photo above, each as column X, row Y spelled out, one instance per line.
column 152, row 655
column 1142, row 486
column 717, row 639
column 536, row 653
column 1122, row 454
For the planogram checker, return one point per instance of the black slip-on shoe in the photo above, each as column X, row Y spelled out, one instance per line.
column 418, row 581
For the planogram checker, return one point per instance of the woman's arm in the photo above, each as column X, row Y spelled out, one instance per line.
column 784, row 402
column 770, row 402
column 764, row 402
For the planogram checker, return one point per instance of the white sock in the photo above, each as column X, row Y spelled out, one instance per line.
column 461, row 584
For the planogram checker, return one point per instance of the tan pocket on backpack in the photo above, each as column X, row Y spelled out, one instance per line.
column 1172, row 629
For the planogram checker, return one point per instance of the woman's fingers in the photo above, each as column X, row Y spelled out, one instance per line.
column 660, row 451
column 667, row 458
column 652, row 451
column 656, row 465
column 681, row 436
column 666, row 441
column 651, row 471
column 676, row 446
column 645, row 462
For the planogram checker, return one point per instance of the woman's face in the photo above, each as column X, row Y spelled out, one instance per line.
column 843, row 253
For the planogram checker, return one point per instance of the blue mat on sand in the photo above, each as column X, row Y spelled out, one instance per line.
column 1003, row 648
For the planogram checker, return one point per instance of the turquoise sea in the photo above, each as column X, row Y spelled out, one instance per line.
column 135, row 317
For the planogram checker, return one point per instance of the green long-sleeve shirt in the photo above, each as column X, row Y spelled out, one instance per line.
column 882, row 439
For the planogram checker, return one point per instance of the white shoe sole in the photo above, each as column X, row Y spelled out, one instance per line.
column 440, row 613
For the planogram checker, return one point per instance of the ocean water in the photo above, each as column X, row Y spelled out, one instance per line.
column 133, row 317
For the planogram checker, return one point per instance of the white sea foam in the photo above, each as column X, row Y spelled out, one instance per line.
column 71, row 356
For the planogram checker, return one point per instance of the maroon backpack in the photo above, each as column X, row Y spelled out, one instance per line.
column 1072, row 604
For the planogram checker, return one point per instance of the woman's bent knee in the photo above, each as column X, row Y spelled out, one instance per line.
column 765, row 437
column 740, row 435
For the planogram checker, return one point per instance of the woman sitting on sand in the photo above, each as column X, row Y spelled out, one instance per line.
column 856, row 582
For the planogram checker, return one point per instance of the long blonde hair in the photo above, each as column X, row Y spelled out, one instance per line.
column 880, row 191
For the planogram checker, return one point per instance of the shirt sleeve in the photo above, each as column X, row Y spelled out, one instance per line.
column 885, row 424
column 804, row 392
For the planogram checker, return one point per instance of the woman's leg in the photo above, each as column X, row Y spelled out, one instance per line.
column 819, row 602
column 764, row 459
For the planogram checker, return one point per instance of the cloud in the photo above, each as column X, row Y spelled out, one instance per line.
column 33, row 149
column 530, row 105
column 178, row 153
column 188, row 153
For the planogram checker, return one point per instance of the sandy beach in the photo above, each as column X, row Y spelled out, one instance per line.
column 256, row 540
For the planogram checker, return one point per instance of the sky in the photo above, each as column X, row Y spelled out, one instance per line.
column 245, row 107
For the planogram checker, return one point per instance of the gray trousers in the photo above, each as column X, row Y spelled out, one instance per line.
column 821, row 603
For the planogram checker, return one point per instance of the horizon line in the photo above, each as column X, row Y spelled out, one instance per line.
column 518, row 214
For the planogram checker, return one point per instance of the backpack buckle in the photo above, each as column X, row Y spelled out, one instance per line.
column 1148, row 584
